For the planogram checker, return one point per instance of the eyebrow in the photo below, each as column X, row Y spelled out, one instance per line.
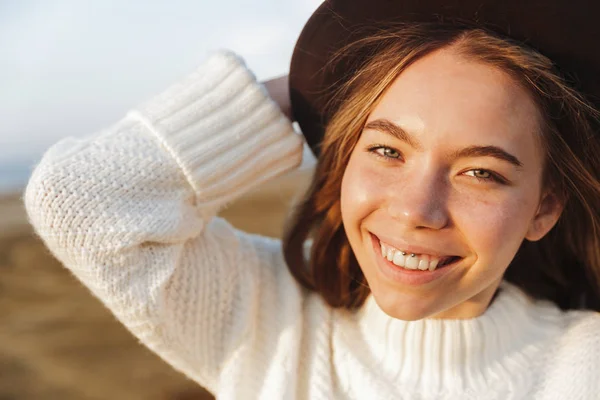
column 386, row 126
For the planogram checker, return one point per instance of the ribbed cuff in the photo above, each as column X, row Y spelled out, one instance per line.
column 223, row 129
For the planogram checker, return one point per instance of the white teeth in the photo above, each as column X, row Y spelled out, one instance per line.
column 422, row 262
column 399, row 258
column 390, row 254
column 412, row 262
column 433, row 264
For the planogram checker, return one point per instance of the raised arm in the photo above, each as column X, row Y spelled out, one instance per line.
column 131, row 212
column 279, row 91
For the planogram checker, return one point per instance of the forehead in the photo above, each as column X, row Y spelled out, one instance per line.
column 445, row 96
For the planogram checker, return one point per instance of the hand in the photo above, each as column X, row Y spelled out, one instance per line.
column 279, row 91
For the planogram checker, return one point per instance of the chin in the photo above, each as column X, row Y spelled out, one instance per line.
column 404, row 307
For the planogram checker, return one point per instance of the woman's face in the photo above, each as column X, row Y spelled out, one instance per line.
column 448, row 168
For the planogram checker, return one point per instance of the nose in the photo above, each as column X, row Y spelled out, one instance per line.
column 420, row 201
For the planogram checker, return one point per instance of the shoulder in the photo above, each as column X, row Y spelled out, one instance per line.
column 575, row 347
column 569, row 367
column 582, row 330
column 565, row 328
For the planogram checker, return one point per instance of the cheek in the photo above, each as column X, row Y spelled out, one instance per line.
column 495, row 229
column 360, row 189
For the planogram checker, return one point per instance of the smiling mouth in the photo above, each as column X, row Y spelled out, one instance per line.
column 413, row 261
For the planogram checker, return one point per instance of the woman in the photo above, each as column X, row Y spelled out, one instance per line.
column 453, row 213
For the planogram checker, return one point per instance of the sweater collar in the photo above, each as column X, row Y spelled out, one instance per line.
column 436, row 354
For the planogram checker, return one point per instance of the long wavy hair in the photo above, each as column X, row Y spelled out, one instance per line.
column 563, row 267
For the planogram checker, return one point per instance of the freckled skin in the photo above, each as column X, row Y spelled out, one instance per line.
column 428, row 199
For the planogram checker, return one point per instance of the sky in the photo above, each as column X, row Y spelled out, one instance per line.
column 72, row 67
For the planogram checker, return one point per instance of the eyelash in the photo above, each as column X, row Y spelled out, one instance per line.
column 492, row 178
column 373, row 150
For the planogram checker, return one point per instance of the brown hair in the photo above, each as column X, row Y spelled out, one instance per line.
column 564, row 266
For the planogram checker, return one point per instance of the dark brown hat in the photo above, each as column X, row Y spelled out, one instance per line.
column 566, row 31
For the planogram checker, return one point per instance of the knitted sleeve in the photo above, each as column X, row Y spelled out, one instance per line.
column 131, row 212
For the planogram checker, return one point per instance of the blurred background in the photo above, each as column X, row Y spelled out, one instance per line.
column 71, row 68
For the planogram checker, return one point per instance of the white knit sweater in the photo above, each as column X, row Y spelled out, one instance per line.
column 131, row 212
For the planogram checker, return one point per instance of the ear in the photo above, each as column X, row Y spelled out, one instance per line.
column 547, row 215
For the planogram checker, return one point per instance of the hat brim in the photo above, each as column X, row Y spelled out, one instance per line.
column 563, row 30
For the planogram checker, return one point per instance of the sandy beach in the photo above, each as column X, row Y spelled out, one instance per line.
column 59, row 342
